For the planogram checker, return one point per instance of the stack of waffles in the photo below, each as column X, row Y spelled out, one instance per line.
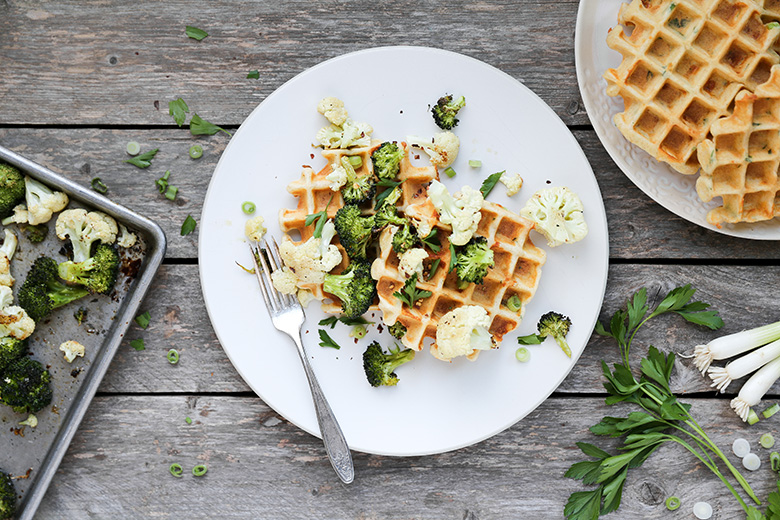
column 684, row 64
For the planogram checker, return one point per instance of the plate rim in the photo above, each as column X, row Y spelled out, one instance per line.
column 602, row 222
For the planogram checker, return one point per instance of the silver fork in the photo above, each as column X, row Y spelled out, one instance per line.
column 287, row 316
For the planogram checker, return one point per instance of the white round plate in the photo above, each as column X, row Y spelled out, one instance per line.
column 436, row 406
column 672, row 190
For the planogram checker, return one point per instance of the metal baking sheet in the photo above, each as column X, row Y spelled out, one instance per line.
column 35, row 453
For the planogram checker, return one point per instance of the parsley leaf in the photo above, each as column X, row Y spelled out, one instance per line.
column 195, row 33
column 434, row 267
column 385, row 183
column 143, row 319
column 138, row 344
column 144, row 160
column 321, row 217
column 453, row 258
column 179, row 110
column 188, row 226
column 253, row 74
column 531, row 339
column 199, row 126
column 332, row 320
column 410, row 294
column 327, row 341
column 432, row 241
column 490, row 183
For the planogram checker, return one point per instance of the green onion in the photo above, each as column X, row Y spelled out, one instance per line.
column 188, row 420
column 450, row 172
column 514, row 303
column 199, row 470
column 751, row 461
column 196, row 151
column 248, row 207
column 188, row 226
column 355, row 160
column 253, row 74
column 176, row 470
column 143, row 319
column 774, row 461
column 523, row 355
column 672, row 503
column 752, row 417
column 170, row 192
column 475, row 163
column 767, row 440
column 434, row 268
column 772, row 25
column 726, row 347
column 133, row 148
column 769, row 412
column 359, row 331
column 99, row 186
column 173, row 356
column 138, row 344
column 462, row 284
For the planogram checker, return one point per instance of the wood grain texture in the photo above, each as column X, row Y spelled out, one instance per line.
column 260, row 466
column 639, row 228
column 107, row 62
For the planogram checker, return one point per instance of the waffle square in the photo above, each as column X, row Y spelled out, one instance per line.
column 517, row 271
column 741, row 160
column 313, row 192
column 683, row 63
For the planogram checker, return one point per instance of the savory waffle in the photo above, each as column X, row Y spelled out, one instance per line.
column 516, row 271
column 313, row 192
column 740, row 162
column 683, row 63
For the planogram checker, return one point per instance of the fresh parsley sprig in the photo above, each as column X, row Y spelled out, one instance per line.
column 432, row 241
column 327, row 341
column 490, row 183
column 410, row 293
column 351, row 322
column 385, row 183
column 144, row 160
column 321, row 217
column 199, row 126
column 662, row 418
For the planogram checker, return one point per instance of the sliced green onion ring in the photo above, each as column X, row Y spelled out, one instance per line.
column 752, row 417
column 474, row 163
column 767, row 440
column 355, row 160
column 523, row 355
column 450, row 172
column 173, row 356
column 672, row 503
column 514, row 303
column 196, row 151
column 133, row 148
column 769, row 412
column 199, row 470
column 99, row 186
column 188, row 420
column 176, row 470
column 359, row 331
column 774, row 461
column 248, row 207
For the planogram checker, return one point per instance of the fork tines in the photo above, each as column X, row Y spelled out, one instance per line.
column 266, row 259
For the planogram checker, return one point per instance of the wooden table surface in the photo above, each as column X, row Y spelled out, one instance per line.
column 78, row 80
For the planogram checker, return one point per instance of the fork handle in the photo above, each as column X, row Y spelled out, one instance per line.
column 335, row 443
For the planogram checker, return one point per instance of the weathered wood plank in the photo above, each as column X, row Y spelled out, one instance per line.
column 260, row 466
column 639, row 228
column 109, row 62
column 179, row 320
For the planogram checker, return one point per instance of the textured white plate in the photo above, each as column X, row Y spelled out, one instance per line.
column 436, row 406
column 670, row 189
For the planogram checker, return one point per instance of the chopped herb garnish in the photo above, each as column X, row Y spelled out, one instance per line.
column 434, row 268
column 253, row 74
column 332, row 320
column 432, row 241
column 490, row 183
column 321, row 217
column 196, row 151
column 171, row 192
column 173, row 356
column 772, row 25
column 195, row 33
column 178, row 109
column 327, row 341
column 531, row 339
column 162, row 182
column 188, row 226
column 450, row 172
column 133, row 148
column 143, row 319
column 385, row 183
column 144, row 160
column 99, row 186
column 199, row 470
column 188, row 420
column 199, row 126
column 138, row 344
column 474, row 163
column 453, row 258
column 410, row 294
column 176, row 470
column 248, row 207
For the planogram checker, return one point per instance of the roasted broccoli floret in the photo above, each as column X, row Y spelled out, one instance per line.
column 25, row 386
column 358, row 188
column 397, row 330
column 405, row 238
column 380, row 367
column 555, row 325
column 7, row 496
column 445, row 110
column 11, row 349
column 11, row 189
column 473, row 260
column 387, row 161
column 354, row 230
column 97, row 274
column 354, row 287
column 36, row 234
column 387, row 211
column 42, row 291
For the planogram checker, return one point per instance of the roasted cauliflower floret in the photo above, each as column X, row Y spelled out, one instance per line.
column 462, row 331
column 557, row 214
column 412, row 262
column 125, row 239
column 442, row 148
column 14, row 321
column 6, row 254
column 513, row 183
column 72, row 350
column 254, row 228
column 84, row 228
column 42, row 201
column 462, row 211
column 333, row 109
